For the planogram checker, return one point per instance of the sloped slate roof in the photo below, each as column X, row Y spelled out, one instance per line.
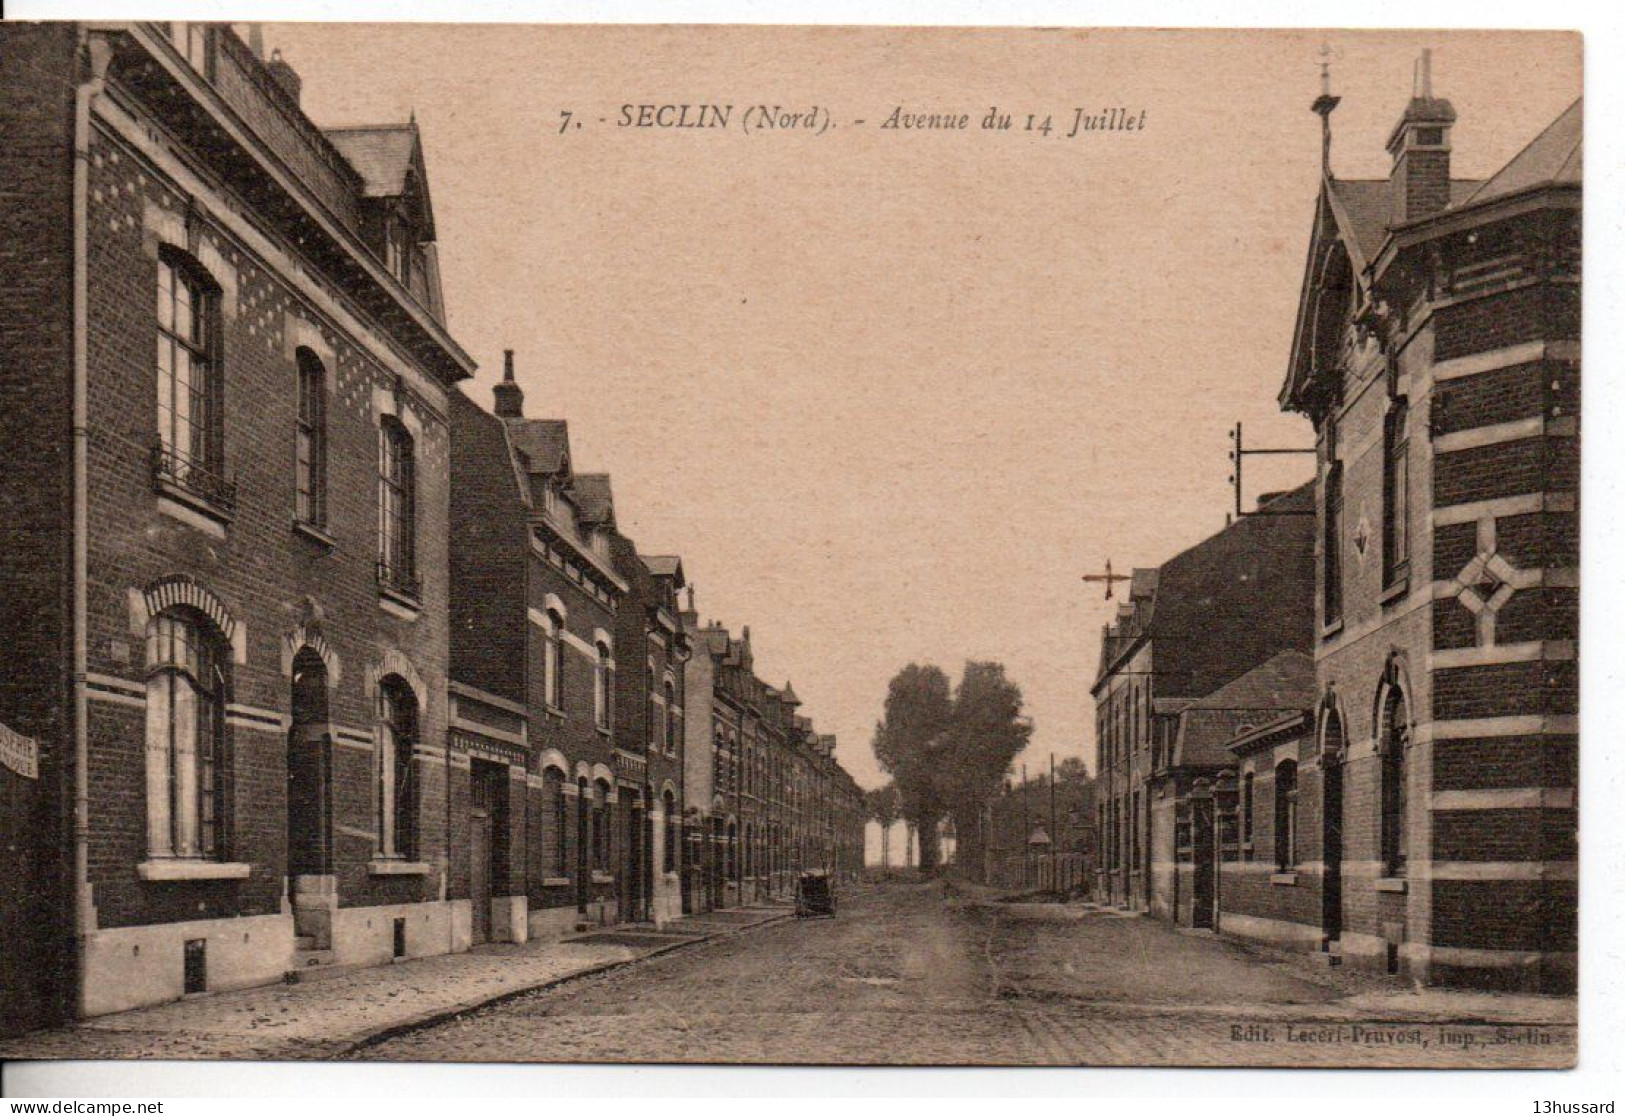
column 664, row 565
column 1367, row 205
column 1553, row 157
column 594, row 497
column 1282, row 684
column 380, row 153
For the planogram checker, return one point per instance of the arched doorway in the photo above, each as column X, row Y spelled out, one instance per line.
column 309, row 817
column 310, row 838
column 1333, row 748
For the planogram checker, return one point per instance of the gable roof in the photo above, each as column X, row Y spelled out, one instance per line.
column 1357, row 213
column 545, row 443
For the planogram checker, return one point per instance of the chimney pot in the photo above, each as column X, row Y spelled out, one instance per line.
column 509, row 397
column 286, row 77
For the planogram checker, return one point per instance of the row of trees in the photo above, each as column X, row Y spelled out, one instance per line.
column 947, row 750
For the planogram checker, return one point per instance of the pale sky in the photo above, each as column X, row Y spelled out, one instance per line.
column 890, row 394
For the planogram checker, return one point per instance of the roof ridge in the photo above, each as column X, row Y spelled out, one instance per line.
column 1579, row 139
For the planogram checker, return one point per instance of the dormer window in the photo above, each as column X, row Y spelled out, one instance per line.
column 599, row 541
column 552, row 505
column 399, row 247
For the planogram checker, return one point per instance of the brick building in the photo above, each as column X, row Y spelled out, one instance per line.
column 1226, row 800
column 1437, row 355
column 772, row 801
column 1189, row 627
column 535, row 600
column 649, row 732
column 230, row 374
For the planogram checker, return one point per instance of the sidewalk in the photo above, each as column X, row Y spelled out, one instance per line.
column 1359, row 995
column 328, row 1018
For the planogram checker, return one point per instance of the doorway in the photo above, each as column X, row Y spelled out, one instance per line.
column 1331, row 836
column 1203, row 890
column 632, row 870
column 310, row 838
column 487, row 818
column 309, row 814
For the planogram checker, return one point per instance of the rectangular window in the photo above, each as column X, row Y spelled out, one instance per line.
column 190, row 447
column 1247, row 815
column 1396, row 550
column 310, row 458
column 1286, row 815
column 1331, row 546
column 397, row 528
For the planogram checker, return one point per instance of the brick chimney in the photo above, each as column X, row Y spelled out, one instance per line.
column 510, row 400
column 1420, row 144
column 285, row 75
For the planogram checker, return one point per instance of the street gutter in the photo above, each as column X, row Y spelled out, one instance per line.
column 344, row 1049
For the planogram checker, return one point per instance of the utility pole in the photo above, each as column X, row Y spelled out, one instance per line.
column 1054, row 839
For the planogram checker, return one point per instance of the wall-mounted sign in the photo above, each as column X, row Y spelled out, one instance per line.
column 20, row 753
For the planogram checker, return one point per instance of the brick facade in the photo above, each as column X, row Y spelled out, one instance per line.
column 1447, row 685
column 167, row 165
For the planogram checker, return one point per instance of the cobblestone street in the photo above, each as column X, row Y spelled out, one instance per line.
column 925, row 975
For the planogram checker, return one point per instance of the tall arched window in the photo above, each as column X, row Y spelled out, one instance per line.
column 396, row 769
column 674, row 719
column 657, row 718
column 1286, row 815
column 310, row 453
column 186, row 696
column 558, row 804
column 397, row 509
column 191, row 436
column 553, row 659
column 602, row 690
column 600, row 827
column 1394, row 741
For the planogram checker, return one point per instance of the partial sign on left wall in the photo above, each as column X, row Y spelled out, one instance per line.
column 20, row 753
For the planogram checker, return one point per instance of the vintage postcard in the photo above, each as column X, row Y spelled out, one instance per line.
column 775, row 544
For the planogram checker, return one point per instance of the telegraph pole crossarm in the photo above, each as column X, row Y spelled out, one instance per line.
column 1238, row 453
column 1108, row 577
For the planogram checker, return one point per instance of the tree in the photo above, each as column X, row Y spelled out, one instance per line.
column 907, row 740
column 986, row 731
column 1071, row 768
column 884, row 808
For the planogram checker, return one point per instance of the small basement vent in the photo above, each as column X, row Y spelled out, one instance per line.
column 400, row 937
column 196, row 971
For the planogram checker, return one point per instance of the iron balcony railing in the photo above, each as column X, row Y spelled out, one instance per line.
column 174, row 469
column 400, row 579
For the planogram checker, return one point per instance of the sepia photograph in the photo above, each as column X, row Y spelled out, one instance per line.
column 788, row 545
